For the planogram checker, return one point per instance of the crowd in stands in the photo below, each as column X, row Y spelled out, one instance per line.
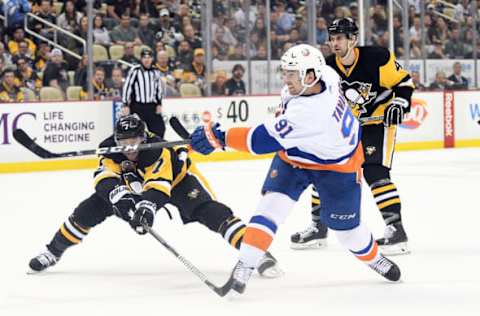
column 172, row 29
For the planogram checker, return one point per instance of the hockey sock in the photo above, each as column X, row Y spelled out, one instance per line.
column 258, row 237
column 388, row 201
column 69, row 234
column 360, row 242
column 315, row 206
column 232, row 230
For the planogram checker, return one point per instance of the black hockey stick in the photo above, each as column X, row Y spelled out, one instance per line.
column 371, row 118
column 23, row 138
column 179, row 128
column 221, row 291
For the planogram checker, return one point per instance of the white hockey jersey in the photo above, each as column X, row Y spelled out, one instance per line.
column 316, row 131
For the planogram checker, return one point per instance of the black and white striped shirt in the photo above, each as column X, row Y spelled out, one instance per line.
column 142, row 86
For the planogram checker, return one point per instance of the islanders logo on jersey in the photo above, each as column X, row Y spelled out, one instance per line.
column 417, row 115
column 358, row 95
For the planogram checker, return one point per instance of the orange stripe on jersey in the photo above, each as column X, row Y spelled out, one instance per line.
column 236, row 138
column 257, row 238
column 371, row 255
column 353, row 164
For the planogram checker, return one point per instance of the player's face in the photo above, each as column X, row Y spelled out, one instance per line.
column 339, row 44
column 132, row 156
column 291, row 78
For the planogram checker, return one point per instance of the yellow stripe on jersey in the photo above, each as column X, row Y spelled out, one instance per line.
column 386, row 188
column 390, row 75
column 160, row 170
column 315, row 201
column 237, row 236
column 389, row 145
column 388, row 203
column 342, row 68
column 69, row 236
column 109, row 168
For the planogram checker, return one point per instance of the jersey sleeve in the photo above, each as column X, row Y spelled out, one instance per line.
column 158, row 178
column 392, row 75
column 106, row 177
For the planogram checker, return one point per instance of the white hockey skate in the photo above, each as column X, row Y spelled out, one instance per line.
column 268, row 267
column 314, row 237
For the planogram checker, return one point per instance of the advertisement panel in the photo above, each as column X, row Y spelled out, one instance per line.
column 58, row 126
column 467, row 118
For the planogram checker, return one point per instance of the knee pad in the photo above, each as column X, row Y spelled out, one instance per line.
column 92, row 211
column 375, row 173
column 275, row 206
column 212, row 214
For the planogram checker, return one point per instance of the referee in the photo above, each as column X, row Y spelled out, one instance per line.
column 142, row 93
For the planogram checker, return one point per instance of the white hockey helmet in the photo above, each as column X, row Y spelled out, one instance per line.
column 302, row 58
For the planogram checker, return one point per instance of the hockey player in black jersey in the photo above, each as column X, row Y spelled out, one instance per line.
column 135, row 185
column 375, row 86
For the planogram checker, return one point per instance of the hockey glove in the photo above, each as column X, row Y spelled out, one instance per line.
column 395, row 112
column 123, row 202
column 206, row 139
column 144, row 215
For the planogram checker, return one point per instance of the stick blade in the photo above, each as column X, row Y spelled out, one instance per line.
column 21, row 137
column 179, row 128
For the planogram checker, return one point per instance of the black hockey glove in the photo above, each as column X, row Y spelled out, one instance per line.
column 123, row 202
column 144, row 215
column 395, row 112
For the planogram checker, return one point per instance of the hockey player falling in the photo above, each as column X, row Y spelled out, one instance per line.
column 317, row 140
column 374, row 85
column 134, row 185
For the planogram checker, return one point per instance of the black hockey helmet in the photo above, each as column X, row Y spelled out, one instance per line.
column 129, row 126
column 345, row 26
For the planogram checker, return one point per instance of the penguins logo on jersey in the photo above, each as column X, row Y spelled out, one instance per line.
column 358, row 95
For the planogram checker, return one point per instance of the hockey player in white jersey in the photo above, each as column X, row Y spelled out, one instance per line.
column 317, row 141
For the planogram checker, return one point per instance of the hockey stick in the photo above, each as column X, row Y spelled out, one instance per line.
column 25, row 140
column 221, row 291
column 371, row 118
column 179, row 128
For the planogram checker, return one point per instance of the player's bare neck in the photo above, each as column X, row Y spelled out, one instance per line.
column 349, row 59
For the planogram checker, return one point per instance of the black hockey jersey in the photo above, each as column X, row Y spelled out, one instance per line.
column 160, row 170
column 372, row 81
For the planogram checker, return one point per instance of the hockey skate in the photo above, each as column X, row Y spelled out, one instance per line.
column 314, row 237
column 43, row 261
column 395, row 241
column 386, row 268
column 268, row 267
column 239, row 277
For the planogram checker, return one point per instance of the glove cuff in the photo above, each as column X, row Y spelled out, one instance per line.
column 148, row 205
column 211, row 137
column 117, row 193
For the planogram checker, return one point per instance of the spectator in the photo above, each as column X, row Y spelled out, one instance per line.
column 439, row 31
column 117, row 83
column 218, row 86
column 261, row 53
column 159, row 46
column 6, row 55
column 24, row 52
column 238, row 53
column 191, row 38
column 285, row 19
column 458, row 81
column 163, row 64
column 300, row 27
column 27, row 78
column 80, row 78
column 45, row 13
column 9, row 92
column 146, row 7
column 128, row 54
column 322, row 32
column 198, row 64
column 69, row 19
column 100, row 90
column 18, row 37
column 16, row 11
column 353, row 7
column 3, row 66
column 235, row 85
column 42, row 57
column 101, row 35
column 455, row 48
column 437, row 51
column 219, row 42
column 170, row 86
column 260, row 29
column 124, row 32
column 440, row 82
column 145, row 31
column 184, row 55
column 419, row 86
column 325, row 49
column 117, row 8
column 415, row 30
column 166, row 31
column 55, row 74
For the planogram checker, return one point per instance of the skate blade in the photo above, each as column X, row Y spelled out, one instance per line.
column 395, row 250
column 313, row 244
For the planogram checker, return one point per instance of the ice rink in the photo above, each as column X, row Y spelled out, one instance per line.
column 116, row 272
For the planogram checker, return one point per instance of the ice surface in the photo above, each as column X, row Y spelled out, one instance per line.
column 116, row 272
